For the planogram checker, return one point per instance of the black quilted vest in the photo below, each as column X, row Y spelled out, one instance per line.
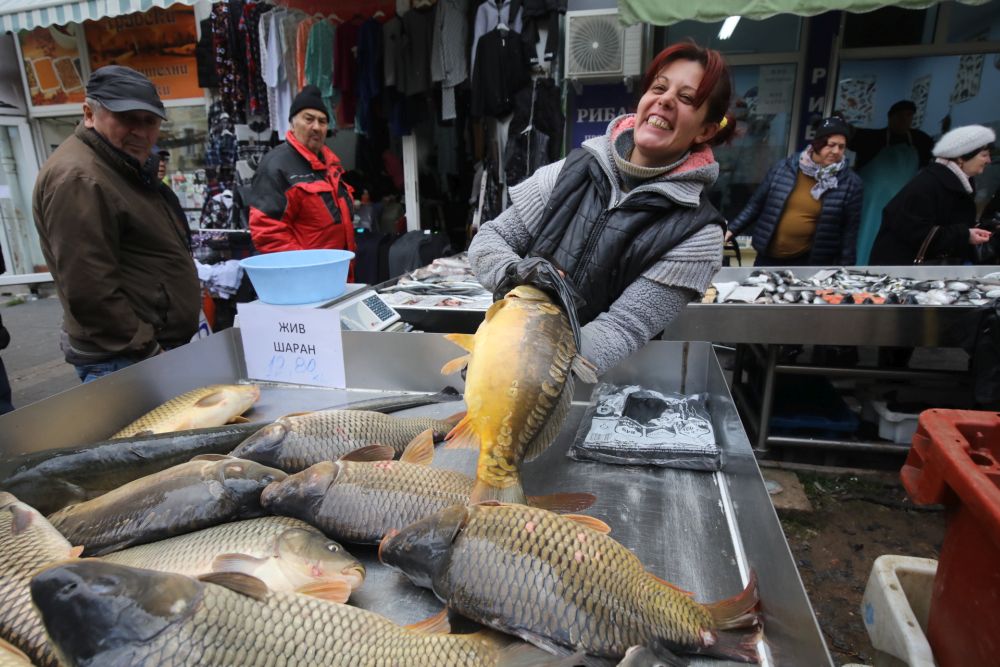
column 602, row 250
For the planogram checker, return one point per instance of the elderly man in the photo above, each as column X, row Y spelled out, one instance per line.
column 110, row 232
column 299, row 200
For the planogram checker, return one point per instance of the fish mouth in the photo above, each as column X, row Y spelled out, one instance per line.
column 385, row 540
column 354, row 575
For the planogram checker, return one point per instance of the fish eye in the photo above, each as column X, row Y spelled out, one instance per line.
column 333, row 548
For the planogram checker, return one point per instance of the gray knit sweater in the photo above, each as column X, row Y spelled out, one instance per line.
column 649, row 303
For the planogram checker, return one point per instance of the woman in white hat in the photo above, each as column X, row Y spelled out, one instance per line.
column 933, row 217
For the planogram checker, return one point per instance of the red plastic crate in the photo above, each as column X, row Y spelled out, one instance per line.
column 955, row 461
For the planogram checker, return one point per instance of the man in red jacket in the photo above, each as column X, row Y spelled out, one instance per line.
column 299, row 200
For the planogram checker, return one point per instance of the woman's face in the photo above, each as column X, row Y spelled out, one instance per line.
column 832, row 152
column 977, row 164
column 667, row 122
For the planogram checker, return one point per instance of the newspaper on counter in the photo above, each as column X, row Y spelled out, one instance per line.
column 635, row 426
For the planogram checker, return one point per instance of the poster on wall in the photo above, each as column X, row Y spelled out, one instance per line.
column 918, row 93
column 968, row 78
column 52, row 64
column 775, row 89
column 12, row 100
column 594, row 107
column 856, row 100
column 159, row 43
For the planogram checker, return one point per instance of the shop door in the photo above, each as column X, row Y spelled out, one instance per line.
column 18, row 171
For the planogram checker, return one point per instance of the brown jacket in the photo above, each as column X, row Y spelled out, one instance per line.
column 117, row 252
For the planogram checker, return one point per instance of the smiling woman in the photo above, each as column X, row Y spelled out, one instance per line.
column 625, row 217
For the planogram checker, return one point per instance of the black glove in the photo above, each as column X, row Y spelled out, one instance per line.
column 538, row 272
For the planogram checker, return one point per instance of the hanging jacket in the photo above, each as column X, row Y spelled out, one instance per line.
column 502, row 68
column 835, row 241
column 298, row 201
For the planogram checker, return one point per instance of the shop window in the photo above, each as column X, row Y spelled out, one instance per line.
column 55, row 130
column 889, row 26
column 778, row 34
column 762, row 104
column 974, row 23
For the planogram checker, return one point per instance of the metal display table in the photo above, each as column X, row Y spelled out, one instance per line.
column 703, row 531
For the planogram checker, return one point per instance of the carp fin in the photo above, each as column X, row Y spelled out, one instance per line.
column 483, row 493
column 670, row 585
column 455, row 365
column 464, row 341
column 561, row 503
column 738, row 611
column 526, row 655
column 547, row 434
column 76, row 551
column 453, row 420
column 420, row 450
column 738, row 648
column 295, row 414
column 589, row 522
column 494, row 309
column 584, row 369
column 336, row 590
column 437, row 624
column 244, row 584
column 214, row 398
column 241, row 563
column 145, row 431
column 370, row 453
column 22, row 518
column 662, row 653
column 238, row 419
column 212, row 457
column 462, row 436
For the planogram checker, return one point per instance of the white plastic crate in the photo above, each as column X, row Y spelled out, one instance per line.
column 895, row 606
column 896, row 426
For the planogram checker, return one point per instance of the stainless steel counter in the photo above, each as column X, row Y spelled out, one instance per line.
column 702, row 531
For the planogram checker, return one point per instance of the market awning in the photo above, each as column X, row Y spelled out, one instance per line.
column 667, row 12
column 29, row 14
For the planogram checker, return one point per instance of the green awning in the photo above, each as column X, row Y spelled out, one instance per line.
column 667, row 12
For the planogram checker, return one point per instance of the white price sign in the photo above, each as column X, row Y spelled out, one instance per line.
column 289, row 344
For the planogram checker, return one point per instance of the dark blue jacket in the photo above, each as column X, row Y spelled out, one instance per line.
column 837, row 229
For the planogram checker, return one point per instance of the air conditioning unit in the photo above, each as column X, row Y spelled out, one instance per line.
column 599, row 49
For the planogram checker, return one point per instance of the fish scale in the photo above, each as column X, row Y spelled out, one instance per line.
column 21, row 555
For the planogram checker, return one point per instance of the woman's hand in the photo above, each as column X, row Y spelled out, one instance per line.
column 978, row 236
column 729, row 237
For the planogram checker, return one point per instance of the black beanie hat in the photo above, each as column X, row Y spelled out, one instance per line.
column 308, row 98
column 832, row 125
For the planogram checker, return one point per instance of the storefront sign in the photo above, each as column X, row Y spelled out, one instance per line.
column 596, row 106
column 52, row 65
column 822, row 35
column 774, row 92
column 159, row 43
column 290, row 344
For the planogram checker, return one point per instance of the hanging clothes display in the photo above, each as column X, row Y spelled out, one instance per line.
column 345, row 70
column 319, row 62
column 501, row 69
column 489, row 15
column 418, row 37
column 230, row 61
column 301, row 44
column 250, row 34
column 537, row 15
column 449, row 66
column 370, row 69
column 204, row 56
column 535, row 134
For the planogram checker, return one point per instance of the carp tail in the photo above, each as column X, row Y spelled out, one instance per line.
column 562, row 503
column 739, row 611
column 483, row 492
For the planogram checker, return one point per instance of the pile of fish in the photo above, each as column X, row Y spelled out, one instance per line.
column 841, row 286
column 446, row 282
column 230, row 558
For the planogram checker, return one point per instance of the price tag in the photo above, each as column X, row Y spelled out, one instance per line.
column 289, row 344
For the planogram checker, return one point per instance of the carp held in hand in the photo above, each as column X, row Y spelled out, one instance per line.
column 295, row 442
column 110, row 615
column 207, row 491
column 27, row 543
column 286, row 554
column 10, row 656
column 199, row 408
column 518, row 388
column 360, row 501
column 559, row 582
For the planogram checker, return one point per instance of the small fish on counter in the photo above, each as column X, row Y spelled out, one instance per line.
column 360, row 501
column 100, row 613
column 207, row 491
column 27, row 543
column 214, row 405
column 295, row 442
column 286, row 554
column 560, row 581
column 518, row 388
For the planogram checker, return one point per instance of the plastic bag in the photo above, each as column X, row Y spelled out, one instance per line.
column 635, row 426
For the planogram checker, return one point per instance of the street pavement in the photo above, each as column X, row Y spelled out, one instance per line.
column 34, row 362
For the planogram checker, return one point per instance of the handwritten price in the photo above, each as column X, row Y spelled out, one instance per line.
column 280, row 367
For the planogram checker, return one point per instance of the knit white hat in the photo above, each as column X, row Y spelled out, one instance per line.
column 963, row 140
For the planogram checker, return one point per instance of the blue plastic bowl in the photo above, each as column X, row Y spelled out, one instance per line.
column 299, row 276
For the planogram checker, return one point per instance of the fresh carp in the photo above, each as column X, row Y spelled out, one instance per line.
column 99, row 613
column 286, row 554
column 215, row 405
column 360, row 501
column 295, row 442
column 559, row 580
column 27, row 543
column 210, row 490
column 11, row 656
column 518, row 388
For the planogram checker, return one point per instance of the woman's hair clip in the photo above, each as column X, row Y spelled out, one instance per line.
column 723, row 122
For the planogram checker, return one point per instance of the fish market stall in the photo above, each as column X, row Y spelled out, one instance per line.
column 704, row 531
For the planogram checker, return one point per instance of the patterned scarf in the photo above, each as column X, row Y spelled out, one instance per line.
column 826, row 177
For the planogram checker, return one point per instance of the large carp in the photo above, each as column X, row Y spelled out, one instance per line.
column 207, row 491
column 286, row 554
column 199, row 408
column 360, row 501
column 11, row 656
column 116, row 616
column 559, row 580
column 27, row 543
column 518, row 388
column 295, row 442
